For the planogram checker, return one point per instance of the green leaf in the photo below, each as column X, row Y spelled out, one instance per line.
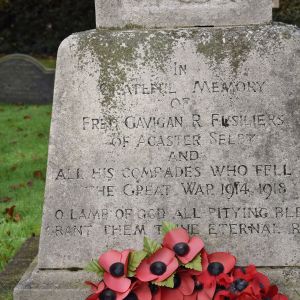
column 135, row 260
column 166, row 227
column 94, row 267
column 195, row 264
column 169, row 282
column 151, row 246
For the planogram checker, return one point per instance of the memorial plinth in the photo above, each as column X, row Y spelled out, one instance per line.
column 181, row 13
column 197, row 126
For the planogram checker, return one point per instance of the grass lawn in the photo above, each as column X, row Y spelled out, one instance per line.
column 24, row 131
column 49, row 63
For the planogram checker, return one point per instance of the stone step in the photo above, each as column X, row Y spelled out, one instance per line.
column 16, row 268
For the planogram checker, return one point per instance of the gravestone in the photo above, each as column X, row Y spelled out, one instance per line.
column 198, row 126
column 24, row 80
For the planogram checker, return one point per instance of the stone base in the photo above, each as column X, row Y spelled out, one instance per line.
column 52, row 285
column 68, row 285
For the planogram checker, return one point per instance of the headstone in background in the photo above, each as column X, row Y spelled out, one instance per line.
column 198, row 126
column 24, row 80
column 180, row 13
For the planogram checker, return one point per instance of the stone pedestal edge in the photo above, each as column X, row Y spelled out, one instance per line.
column 120, row 14
column 52, row 284
column 69, row 285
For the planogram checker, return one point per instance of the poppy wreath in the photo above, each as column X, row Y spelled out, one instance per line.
column 178, row 269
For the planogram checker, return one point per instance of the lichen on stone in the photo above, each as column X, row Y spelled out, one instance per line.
column 129, row 26
column 226, row 45
column 117, row 54
column 112, row 54
column 159, row 48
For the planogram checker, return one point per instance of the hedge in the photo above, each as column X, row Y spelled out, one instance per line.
column 38, row 26
column 289, row 12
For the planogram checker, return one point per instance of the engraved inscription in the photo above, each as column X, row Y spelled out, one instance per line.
column 180, row 140
column 167, row 129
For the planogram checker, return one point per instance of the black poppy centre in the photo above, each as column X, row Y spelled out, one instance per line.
column 158, row 268
column 117, row 270
column 239, row 285
column 198, row 287
column 181, row 249
column 108, row 295
column 215, row 268
column 153, row 288
column 177, row 281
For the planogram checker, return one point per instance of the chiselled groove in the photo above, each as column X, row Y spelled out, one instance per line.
column 73, row 269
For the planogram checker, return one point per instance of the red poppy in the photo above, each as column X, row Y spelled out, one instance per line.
column 183, row 286
column 247, row 282
column 202, row 289
column 280, row 297
column 267, row 291
column 263, row 282
column 248, row 273
column 227, row 295
column 159, row 266
column 115, row 264
column 185, row 247
column 224, row 295
column 273, row 294
column 101, row 291
column 217, row 266
column 139, row 291
column 243, row 286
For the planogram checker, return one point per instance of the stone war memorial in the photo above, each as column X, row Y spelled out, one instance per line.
column 180, row 111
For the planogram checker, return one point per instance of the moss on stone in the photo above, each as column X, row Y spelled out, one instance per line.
column 112, row 54
column 130, row 26
column 222, row 45
column 117, row 53
column 159, row 49
column 120, row 54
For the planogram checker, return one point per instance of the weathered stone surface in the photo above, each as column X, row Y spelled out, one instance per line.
column 67, row 285
column 24, row 80
column 199, row 127
column 176, row 13
column 52, row 285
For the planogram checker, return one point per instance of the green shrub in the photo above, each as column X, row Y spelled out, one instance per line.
column 289, row 12
column 3, row 3
column 38, row 26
